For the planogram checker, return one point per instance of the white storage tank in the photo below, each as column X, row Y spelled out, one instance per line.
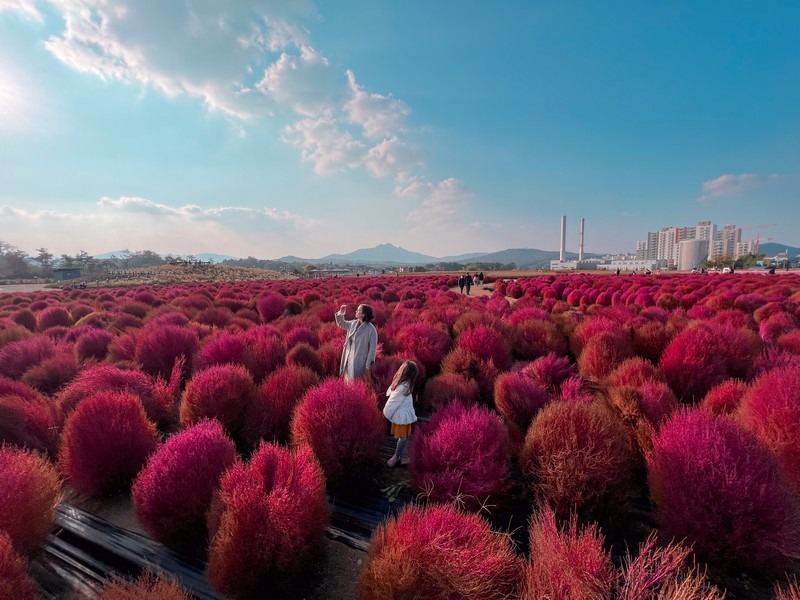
column 692, row 254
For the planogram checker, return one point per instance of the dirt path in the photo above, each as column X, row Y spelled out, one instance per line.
column 25, row 287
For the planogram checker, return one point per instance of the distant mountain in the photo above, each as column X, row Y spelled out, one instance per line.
column 460, row 257
column 382, row 253
column 205, row 256
column 526, row 257
column 771, row 249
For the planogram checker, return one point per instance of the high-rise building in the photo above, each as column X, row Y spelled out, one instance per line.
column 664, row 244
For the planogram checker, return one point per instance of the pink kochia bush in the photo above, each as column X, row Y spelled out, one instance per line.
column 461, row 455
column 519, row 397
column 716, row 487
column 159, row 346
column 439, row 553
column 221, row 392
column 771, row 410
column 17, row 357
column 173, row 492
column 267, row 517
column 32, row 423
column 445, row 388
column 146, row 587
column 106, row 441
column 487, row 343
column 579, row 458
column 427, row 343
column 705, row 355
column 270, row 306
column 341, row 423
column 568, row 562
column 269, row 415
column 15, row 582
column 30, row 490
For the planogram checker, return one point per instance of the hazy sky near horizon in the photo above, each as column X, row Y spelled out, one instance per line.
column 275, row 127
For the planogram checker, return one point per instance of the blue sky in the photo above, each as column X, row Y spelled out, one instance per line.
column 268, row 128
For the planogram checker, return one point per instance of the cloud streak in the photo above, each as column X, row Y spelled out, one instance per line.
column 729, row 185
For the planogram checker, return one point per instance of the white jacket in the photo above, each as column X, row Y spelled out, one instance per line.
column 399, row 407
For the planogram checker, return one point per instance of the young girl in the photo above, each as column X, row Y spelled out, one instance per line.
column 399, row 409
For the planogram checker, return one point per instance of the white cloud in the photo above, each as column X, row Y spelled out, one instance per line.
column 441, row 202
column 733, row 185
column 392, row 156
column 138, row 223
column 379, row 116
column 321, row 142
column 304, row 83
column 203, row 49
column 26, row 8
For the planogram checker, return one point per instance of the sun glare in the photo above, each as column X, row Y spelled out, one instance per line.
column 13, row 102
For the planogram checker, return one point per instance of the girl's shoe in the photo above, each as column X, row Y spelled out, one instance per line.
column 392, row 462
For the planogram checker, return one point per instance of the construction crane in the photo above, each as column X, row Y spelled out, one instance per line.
column 759, row 239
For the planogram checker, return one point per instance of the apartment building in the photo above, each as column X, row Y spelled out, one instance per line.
column 664, row 245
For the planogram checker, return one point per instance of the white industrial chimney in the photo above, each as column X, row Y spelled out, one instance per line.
column 563, row 255
column 580, row 245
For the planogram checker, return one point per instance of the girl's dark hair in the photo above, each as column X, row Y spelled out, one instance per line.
column 407, row 373
column 368, row 313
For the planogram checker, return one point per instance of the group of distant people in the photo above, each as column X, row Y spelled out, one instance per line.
column 466, row 281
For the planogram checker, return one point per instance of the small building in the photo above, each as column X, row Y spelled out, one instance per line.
column 66, row 273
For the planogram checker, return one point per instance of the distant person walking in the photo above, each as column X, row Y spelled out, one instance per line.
column 468, row 282
column 461, row 281
column 360, row 344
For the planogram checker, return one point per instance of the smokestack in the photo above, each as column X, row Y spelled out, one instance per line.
column 580, row 245
column 563, row 255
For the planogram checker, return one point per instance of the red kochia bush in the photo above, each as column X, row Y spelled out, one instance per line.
column 551, row 370
column 603, row 353
column 487, row 343
column 30, row 490
column 519, row 397
column 705, row 355
column 32, row 423
column 270, row 306
column 771, row 410
column 159, row 346
column 634, row 371
column 15, row 582
column 159, row 408
column 427, row 343
column 341, row 423
column 17, row 357
column 303, row 355
column 105, row 443
column 461, row 455
column 579, row 457
column 532, row 339
column 267, row 517
column 173, row 492
column 445, row 388
column 52, row 373
column 467, row 364
column 221, row 349
column 269, row 415
column 265, row 351
column 221, row 392
column 724, row 399
column 737, row 510
column 439, row 553
column 566, row 563
column 53, row 316
column 93, row 344
column 657, row 402
column 146, row 587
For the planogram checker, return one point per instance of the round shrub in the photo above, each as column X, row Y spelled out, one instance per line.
column 580, row 458
column 568, row 562
column 463, row 362
column 444, row 388
column 93, row 345
column 603, row 353
column 159, row 409
column 738, row 510
column 265, row 351
column 269, row 415
column 439, row 553
column 173, row 492
column 461, row 455
column 17, row 357
column 223, row 348
column 53, row 373
column 53, row 316
column 105, row 443
column 657, row 402
column 341, row 423
column 270, row 306
column 221, row 392
column 724, row 399
column 303, row 355
column 790, row 342
column 15, row 582
column 146, row 587
column 30, row 491
column 32, row 423
column 705, row 355
column 267, row 517
column 487, row 343
column 427, row 343
column 215, row 316
column 158, row 347
column 551, row 370
column 634, row 371
column 771, row 410
column 519, row 397
column 533, row 339
column 302, row 334
column 26, row 318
